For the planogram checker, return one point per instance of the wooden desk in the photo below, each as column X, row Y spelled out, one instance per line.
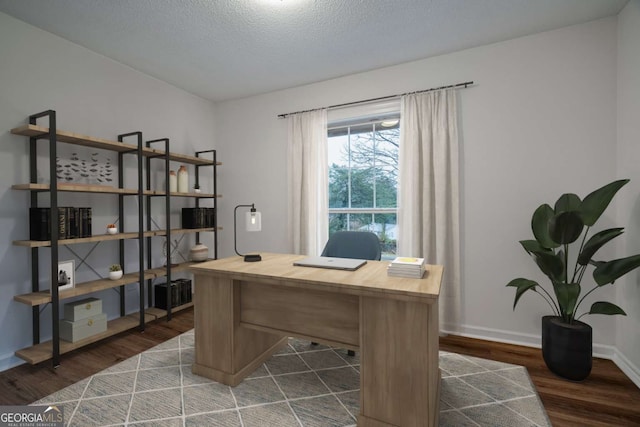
column 244, row 313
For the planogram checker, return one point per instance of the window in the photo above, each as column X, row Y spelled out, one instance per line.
column 363, row 178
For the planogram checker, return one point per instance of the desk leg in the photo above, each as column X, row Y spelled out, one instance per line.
column 399, row 373
column 225, row 351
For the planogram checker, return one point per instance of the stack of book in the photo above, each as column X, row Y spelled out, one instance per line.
column 407, row 267
column 72, row 223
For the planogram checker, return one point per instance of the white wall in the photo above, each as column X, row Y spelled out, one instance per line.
column 627, row 336
column 94, row 96
column 540, row 121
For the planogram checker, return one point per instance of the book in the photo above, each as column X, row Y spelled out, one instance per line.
column 84, row 222
column 72, row 223
column 408, row 261
column 406, row 267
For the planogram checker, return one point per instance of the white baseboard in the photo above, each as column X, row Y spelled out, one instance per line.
column 531, row 340
column 627, row 367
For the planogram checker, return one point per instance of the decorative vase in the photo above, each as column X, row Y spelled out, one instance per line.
column 183, row 180
column 567, row 348
column 173, row 182
column 199, row 253
column 115, row 275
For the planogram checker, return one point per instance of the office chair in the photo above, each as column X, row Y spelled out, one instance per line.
column 352, row 244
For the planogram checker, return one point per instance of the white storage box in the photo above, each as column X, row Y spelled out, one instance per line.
column 82, row 309
column 83, row 328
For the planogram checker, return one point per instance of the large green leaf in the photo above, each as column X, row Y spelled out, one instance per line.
column 567, row 202
column 540, row 226
column 603, row 307
column 567, row 295
column 596, row 202
column 565, row 227
column 551, row 264
column 596, row 242
column 533, row 246
column 610, row 271
column 523, row 286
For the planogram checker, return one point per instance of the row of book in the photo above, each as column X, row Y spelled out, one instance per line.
column 198, row 218
column 72, row 223
column 180, row 293
column 407, row 267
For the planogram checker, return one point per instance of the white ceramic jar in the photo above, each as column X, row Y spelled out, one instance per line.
column 183, row 180
column 199, row 253
column 173, row 182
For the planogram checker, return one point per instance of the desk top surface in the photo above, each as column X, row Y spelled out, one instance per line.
column 369, row 280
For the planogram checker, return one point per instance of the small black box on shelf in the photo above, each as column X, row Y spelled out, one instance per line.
column 160, row 291
column 180, row 293
column 197, row 217
column 184, row 288
column 39, row 223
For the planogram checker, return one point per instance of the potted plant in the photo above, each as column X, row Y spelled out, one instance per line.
column 196, row 188
column 564, row 257
column 115, row 272
column 112, row 229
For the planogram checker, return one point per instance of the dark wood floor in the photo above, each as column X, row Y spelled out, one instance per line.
column 606, row 398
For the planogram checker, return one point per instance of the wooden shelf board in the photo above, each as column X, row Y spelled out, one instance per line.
column 162, row 271
column 73, row 138
column 44, row 351
column 41, row 132
column 95, row 238
column 44, row 297
column 158, row 312
column 186, row 230
column 81, row 188
column 196, row 195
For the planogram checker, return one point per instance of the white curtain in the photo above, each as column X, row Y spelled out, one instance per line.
column 308, row 181
column 428, row 213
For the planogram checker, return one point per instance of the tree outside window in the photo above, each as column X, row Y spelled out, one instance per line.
column 363, row 180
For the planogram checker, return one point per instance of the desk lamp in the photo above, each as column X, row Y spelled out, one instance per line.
column 253, row 223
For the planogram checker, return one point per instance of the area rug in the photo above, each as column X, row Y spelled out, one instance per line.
column 302, row 385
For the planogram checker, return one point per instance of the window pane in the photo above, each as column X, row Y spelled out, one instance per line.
column 362, row 188
column 386, row 229
column 387, row 143
column 338, row 187
column 363, row 150
column 337, row 222
column 360, row 222
column 338, row 151
column 386, row 188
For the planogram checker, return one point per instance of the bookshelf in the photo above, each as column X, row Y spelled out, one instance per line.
column 52, row 349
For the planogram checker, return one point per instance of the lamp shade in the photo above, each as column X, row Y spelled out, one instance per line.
column 254, row 221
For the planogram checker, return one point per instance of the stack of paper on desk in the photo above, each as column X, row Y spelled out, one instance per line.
column 407, row 267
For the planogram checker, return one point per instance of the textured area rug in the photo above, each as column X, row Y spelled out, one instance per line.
column 302, row 385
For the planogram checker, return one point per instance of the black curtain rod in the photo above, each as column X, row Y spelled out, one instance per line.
column 382, row 98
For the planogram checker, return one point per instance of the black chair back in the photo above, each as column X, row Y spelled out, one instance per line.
column 353, row 244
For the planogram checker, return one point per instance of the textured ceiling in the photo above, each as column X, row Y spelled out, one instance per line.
column 226, row 49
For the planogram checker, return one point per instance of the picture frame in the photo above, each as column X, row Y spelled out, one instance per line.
column 66, row 275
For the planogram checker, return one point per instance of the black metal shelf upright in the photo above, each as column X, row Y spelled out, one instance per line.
column 121, row 138
column 54, row 228
column 167, row 198
column 214, row 166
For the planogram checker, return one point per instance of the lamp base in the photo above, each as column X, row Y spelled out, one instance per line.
column 252, row 258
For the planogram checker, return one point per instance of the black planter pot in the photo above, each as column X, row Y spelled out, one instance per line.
column 567, row 349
